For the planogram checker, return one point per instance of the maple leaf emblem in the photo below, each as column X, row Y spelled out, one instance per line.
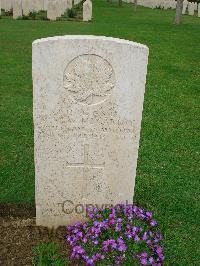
column 89, row 79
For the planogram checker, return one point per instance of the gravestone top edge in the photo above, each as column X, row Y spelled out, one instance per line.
column 91, row 37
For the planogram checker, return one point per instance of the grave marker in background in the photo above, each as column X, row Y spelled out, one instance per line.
column 87, row 10
column 17, row 8
column 52, row 9
column 191, row 8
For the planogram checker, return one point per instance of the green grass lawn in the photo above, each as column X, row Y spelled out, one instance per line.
column 168, row 170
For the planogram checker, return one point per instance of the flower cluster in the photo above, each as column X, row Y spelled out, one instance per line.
column 122, row 235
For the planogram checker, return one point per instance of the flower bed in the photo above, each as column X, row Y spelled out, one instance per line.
column 122, row 235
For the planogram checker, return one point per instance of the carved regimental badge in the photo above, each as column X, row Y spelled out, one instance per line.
column 89, row 79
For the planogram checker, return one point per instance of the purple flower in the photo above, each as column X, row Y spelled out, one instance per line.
column 77, row 225
column 158, row 237
column 159, row 250
column 118, row 228
column 112, row 221
column 144, row 237
column 143, row 261
column 112, row 216
column 79, row 250
column 119, row 260
column 90, row 215
column 153, row 223
column 110, row 232
column 144, row 255
column 150, row 233
column 151, row 260
column 90, row 262
column 136, row 238
column 122, row 247
column 149, row 215
column 96, row 242
column 129, row 235
column 85, row 240
column 119, row 220
column 69, row 228
column 121, row 244
column 79, row 234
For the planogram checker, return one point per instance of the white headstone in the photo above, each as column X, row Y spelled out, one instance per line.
column 2, row 4
column 185, row 4
column 76, row 2
column 69, row 4
column 87, row 10
column 173, row 6
column 165, row 4
column 168, row 4
column 31, row 6
column 52, row 10
column 45, row 5
column 58, row 8
column 156, row 3
column 34, row 5
column 63, row 6
column 198, row 10
column 66, row 4
column 191, row 8
column 17, row 8
column 161, row 4
column 26, row 7
column 88, row 101
column 40, row 5
column 7, row 5
column 37, row 5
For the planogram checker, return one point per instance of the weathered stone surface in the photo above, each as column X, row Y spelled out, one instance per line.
column 69, row 4
column 88, row 100
column 87, row 10
column 52, row 10
column 6, row 4
column 185, row 4
column 63, row 6
column 37, row 5
column 26, row 7
column 191, row 8
column 17, row 8
column 45, row 5
column 163, row 4
column 76, row 2
column 198, row 10
column 58, row 9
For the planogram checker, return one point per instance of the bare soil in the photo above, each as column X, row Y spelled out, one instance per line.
column 19, row 234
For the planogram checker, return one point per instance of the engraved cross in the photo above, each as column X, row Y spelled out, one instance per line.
column 86, row 165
